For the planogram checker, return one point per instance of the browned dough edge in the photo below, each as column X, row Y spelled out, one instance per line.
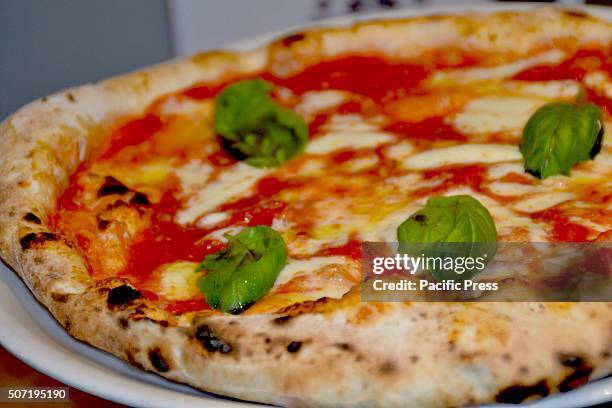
column 324, row 353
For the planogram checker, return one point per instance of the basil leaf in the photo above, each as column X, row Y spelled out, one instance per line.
column 256, row 129
column 560, row 135
column 243, row 272
column 438, row 229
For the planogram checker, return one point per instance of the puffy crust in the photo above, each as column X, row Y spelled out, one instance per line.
column 387, row 354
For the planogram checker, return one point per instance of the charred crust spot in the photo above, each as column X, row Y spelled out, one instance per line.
column 294, row 346
column 163, row 323
column 605, row 354
column 123, row 322
column 103, row 224
column 112, row 186
column 36, row 238
column 282, row 320
column 388, row 367
column 59, row 297
column 122, row 295
column 571, row 360
column 70, row 97
column 30, row 217
column 140, row 199
column 43, row 99
column 575, row 13
column 292, row 39
column 117, row 204
column 344, row 346
column 519, row 393
column 158, row 361
column 580, row 375
column 414, row 358
column 130, row 359
column 210, row 341
column 67, row 325
column 506, row 357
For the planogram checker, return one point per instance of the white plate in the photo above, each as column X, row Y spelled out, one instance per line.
column 29, row 332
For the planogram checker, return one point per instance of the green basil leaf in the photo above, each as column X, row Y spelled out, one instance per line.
column 243, row 272
column 560, row 135
column 442, row 225
column 255, row 128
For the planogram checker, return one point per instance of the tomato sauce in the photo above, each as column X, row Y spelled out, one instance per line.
column 183, row 306
column 562, row 228
column 68, row 200
column 166, row 242
column 573, row 68
column 352, row 249
column 428, row 129
column 133, row 133
column 221, row 158
column 599, row 100
column 314, row 127
column 472, row 176
column 204, row 91
column 372, row 77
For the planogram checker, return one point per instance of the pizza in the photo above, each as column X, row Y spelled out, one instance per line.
column 203, row 219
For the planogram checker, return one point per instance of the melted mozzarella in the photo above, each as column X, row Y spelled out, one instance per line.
column 497, row 171
column 549, row 90
column 347, row 140
column 542, row 201
column 463, row 153
column 348, row 132
column 467, row 75
column 494, row 114
column 399, row 151
column 219, row 234
column 232, row 183
column 314, row 102
column 182, row 105
column 193, row 175
column 178, row 280
column 510, row 189
column 296, row 267
column 212, row 219
column 600, row 81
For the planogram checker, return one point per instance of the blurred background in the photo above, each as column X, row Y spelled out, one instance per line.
column 49, row 45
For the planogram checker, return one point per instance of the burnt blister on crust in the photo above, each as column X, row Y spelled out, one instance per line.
column 34, row 239
column 112, row 186
column 210, row 341
column 122, row 295
column 103, row 224
column 294, row 346
column 575, row 13
column 158, row 361
column 580, row 374
column 60, row 297
column 292, row 39
column 282, row 320
column 140, row 199
column 519, row 393
column 31, row 217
